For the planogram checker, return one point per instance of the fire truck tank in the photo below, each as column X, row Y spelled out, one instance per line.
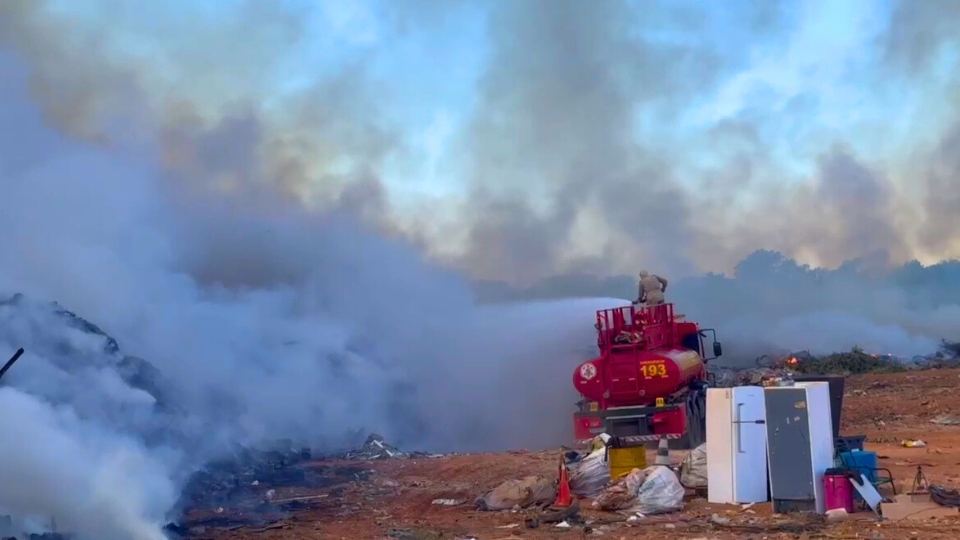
column 636, row 377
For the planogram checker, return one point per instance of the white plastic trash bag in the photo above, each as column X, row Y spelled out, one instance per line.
column 590, row 475
column 660, row 493
column 693, row 470
column 621, row 494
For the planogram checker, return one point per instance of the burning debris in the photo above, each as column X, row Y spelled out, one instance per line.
column 854, row 361
column 243, row 491
column 247, row 480
column 375, row 447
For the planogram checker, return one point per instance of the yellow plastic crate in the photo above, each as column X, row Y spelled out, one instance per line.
column 624, row 460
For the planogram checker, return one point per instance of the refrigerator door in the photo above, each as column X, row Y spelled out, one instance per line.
column 720, row 445
column 749, row 445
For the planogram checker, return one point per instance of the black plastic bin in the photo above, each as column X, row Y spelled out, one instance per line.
column 836, row 395
column 850, row 443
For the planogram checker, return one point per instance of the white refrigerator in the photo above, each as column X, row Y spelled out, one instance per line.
column 736, row 445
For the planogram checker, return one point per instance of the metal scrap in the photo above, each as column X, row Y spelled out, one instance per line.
column 377, row 448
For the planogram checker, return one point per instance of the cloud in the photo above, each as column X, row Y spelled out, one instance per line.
column 584, row 151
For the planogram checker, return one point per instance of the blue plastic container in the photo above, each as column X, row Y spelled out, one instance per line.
column 863, row 461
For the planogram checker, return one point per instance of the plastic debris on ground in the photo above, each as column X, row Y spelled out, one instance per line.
column 622, row 493
column 589, row 474
column 654, row 490
column 693, row 469
column 522, row 493
column 448, row 502
column 660, row 493
column 374, row 448
column 377, row 448
column 946, row 420
column 913, row 444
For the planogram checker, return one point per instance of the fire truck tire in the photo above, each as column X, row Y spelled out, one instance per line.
column 696, row 434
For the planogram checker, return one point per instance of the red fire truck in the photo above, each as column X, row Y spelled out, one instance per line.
column 650, row 380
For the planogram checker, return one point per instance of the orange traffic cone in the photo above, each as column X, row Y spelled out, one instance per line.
column 564, row 497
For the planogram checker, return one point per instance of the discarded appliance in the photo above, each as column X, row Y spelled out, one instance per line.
column 799, row 445
column 649, row 382
column 836, row 384
column 736, row 445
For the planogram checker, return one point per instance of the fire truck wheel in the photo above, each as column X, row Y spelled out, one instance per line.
column 696, row 434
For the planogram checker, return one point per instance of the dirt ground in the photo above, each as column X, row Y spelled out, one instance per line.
column 397, row 502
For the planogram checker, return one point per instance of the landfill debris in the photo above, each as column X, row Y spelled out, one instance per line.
column 913, row 444
column 944, row 496
column 589, row 474
column 622, row 493
column 522, row 493
column 946, row 420
column 448, row 502
column 693, row 469
column 241, row 491
column 837, row 514
column 568, row 515
column 850, row 362
column 562, row 525
column 375, row 447
column 719, row 520
column 654, row 490
column 730, row 377
column 413, row 534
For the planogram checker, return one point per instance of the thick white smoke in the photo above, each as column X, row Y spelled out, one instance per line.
column 346, row 331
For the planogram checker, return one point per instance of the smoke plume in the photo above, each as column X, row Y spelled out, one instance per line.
column 175, row 174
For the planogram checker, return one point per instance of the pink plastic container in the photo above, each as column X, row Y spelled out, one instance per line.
column 837, row 491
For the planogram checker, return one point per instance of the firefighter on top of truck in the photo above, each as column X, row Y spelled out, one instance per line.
column 651, row 289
